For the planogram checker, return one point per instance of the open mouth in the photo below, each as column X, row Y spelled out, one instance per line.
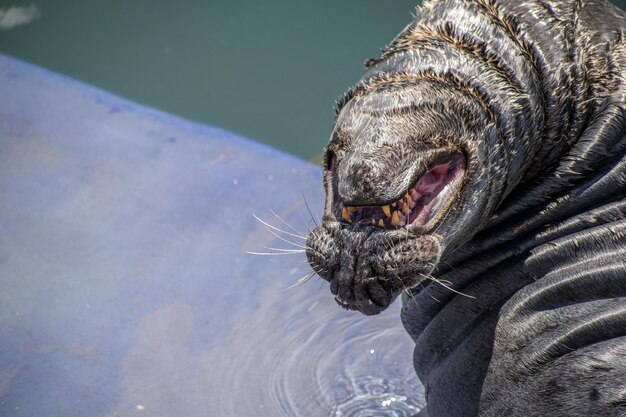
column 421, row 206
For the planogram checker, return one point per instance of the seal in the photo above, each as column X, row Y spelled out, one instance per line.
column 478, row 168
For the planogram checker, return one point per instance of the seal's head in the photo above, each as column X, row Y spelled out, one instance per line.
column 440, row 129
column 406, row 177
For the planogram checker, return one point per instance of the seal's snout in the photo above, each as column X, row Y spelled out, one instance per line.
column 370, row 296
column 368, row 179
column 367, row 268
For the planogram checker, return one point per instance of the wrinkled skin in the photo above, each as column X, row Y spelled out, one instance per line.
column 385, row 138
column 478, row 167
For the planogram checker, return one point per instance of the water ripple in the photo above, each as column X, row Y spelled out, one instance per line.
column 335, row 363
column 306, row 357
column 376, row 397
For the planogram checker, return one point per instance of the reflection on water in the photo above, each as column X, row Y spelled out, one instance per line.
column 157, row 310
column 323, row 361
column 371, row 396
column 378, row 382
column 18, row 15
column 314, row 359
column 269, row 69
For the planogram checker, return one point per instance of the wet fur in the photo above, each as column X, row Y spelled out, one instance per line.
column 533, row 93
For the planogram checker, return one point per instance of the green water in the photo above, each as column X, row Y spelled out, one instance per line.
column 268, row 69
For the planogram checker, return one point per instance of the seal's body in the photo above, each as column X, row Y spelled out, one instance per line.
column 480, row 167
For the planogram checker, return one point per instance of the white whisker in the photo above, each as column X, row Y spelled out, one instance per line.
column 287, row 224
column 277, row 229
column 299, row 262
column 272, row 253
column 449, row 287
column 285, row 240
column 300, row 281
column 285, row 250
column 426, row 289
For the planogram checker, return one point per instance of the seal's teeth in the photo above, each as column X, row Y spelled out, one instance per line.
column 405, row 209
column 387, row 210
column 413, row 194
column 345, row 215
column 381, row 223
column 351, row 209
column 395, row 219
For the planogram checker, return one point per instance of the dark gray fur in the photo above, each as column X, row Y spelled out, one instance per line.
column 533, row 93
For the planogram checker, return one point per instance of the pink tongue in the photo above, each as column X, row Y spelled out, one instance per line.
column 434, row 179
column 415, row 207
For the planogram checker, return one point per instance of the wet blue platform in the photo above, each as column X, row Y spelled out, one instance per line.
column 126, row 290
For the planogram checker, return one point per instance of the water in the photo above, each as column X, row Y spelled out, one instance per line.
column 338, row 364
column 268, row 69
column 127, row 289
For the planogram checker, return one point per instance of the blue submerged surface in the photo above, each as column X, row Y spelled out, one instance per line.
column 126, row 289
